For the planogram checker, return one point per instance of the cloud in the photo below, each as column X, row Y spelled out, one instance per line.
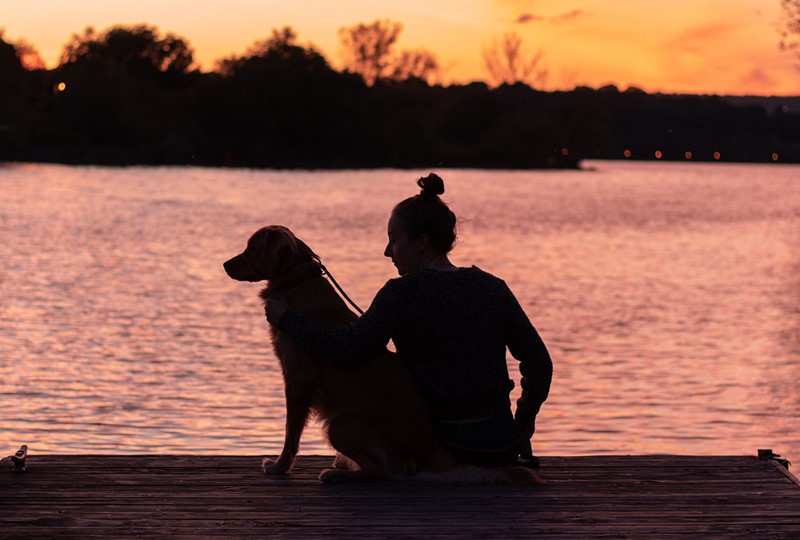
column 528, row 17
column 700, row 37
column 564, row 17
column 758, row 78
column 568, row 16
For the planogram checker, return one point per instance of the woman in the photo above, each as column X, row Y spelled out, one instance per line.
column 451, row 327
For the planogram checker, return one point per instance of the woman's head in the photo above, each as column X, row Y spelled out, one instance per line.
column 420, row 226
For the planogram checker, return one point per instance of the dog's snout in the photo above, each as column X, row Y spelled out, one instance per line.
column 238, row 269
column 229, row 266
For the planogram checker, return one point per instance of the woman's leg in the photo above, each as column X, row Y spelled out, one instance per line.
column 494, row 441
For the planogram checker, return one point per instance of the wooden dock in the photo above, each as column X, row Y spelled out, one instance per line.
column 106, row 496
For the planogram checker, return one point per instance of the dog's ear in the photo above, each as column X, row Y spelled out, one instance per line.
column 279, row 249
column 279, row 244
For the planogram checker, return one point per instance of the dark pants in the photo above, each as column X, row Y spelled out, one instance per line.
column 494, row 441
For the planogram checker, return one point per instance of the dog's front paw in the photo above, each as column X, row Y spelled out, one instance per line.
column 279, row 466
column 333, row 476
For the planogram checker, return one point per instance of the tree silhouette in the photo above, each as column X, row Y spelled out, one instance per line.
column 368, row 47
column 26, row 53
column 139, row 50
column 278, row 51
column 123, row 96
column 281, row 104
column 130, row 96
column 14, row 110
column 10, row 63
column 506, row 62
column 418, row 64
column 790, row 25
column 368, row 52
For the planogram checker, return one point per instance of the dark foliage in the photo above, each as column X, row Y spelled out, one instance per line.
column 130, row 96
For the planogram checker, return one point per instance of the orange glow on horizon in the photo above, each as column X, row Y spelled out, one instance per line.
column 685, row 46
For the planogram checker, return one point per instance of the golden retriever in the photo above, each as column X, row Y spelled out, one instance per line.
column 372, row 413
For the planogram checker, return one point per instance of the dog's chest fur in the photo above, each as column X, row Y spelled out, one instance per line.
column 295, row 363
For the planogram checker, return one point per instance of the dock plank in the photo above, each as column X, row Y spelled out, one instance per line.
column 102, row 496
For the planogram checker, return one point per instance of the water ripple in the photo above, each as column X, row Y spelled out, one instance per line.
column 668, row 295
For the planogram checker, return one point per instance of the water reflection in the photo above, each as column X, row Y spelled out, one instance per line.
column 668, row 295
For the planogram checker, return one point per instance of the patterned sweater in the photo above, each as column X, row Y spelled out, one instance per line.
column 451, row 330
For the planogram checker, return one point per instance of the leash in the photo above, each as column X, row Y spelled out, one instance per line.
column 326, row 272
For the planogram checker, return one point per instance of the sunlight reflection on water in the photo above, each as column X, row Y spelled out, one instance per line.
column 668, row 295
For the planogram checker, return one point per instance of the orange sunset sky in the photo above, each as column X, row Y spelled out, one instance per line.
column 692, row 46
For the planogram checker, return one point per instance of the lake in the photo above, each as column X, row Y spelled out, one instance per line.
column 668, row 295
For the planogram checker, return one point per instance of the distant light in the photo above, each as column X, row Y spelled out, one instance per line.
column 687, row 154
column 716, row 155
column 774, row 156
column 658, row 154
column 565, row 151
column 61, row 86
column 627, row 153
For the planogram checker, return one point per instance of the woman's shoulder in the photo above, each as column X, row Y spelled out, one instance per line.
column 480, row 274
column 463, row 276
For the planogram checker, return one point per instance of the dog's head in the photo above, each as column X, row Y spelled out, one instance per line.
column 270, row 252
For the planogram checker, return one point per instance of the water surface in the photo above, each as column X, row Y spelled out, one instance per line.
column 668, row 295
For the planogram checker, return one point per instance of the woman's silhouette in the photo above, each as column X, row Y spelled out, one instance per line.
column 451, row 326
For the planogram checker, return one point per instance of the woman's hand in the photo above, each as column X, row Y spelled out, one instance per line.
column 274, row 310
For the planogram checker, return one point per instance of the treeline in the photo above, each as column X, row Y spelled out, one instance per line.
column 132, row 96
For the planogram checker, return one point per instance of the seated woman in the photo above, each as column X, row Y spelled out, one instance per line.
column 451, row 327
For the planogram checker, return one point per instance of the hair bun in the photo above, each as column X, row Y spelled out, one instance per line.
column 431, row 184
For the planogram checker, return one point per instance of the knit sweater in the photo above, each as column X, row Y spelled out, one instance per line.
column 451, row 330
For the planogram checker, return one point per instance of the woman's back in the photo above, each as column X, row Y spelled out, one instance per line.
column 451, row 327
column 450, row 333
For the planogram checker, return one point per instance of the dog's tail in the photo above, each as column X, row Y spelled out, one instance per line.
column 471, row 474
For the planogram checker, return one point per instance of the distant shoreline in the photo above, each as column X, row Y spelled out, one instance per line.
column 580, row 165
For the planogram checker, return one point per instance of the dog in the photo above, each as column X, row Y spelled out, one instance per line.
column 372, row 413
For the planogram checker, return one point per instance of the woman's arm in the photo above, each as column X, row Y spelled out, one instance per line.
column 346, row 345
column 536, row 367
